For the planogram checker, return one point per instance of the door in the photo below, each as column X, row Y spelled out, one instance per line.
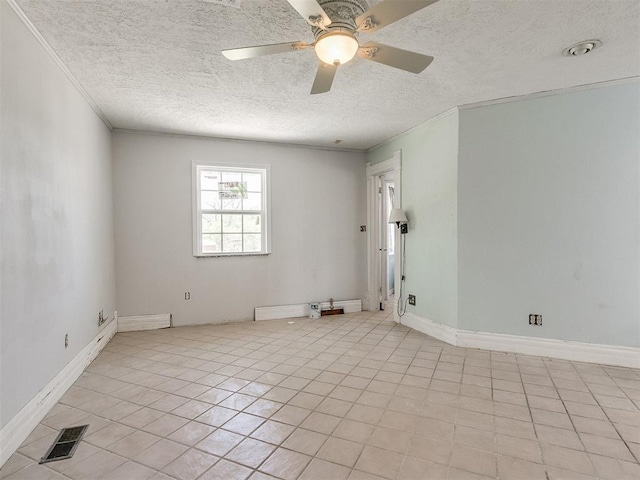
column 391, row 241
column 379, row 235
column 386, row 195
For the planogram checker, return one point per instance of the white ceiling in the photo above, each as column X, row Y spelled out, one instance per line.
column 156, row 64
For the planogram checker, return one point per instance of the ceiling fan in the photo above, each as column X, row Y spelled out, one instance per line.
column 336, row 25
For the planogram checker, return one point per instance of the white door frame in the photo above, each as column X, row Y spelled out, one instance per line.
column 374, row 280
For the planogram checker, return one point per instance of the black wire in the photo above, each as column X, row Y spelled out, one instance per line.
column 402, row 309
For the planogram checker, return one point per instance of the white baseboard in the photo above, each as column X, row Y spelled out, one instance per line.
column 392, row 306
column 549, row 347
column 543, row 347
column 282, row 311
column 20, row 426
column 302, row 310
column 429, row 327
column 133, row 323
column 366, row 303
column 371, row 302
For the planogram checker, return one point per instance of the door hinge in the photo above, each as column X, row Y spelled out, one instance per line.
column 379, row 189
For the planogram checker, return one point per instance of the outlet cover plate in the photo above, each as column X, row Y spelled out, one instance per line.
column 535, row 319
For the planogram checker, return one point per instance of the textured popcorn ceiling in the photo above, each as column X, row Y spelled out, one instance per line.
column 156, row 64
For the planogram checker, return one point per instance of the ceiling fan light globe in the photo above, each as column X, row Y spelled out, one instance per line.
column 336, row 48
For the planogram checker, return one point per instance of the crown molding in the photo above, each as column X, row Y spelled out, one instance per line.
column 54, row 56
column 515, row 98
column 440, row 116
column 550, row 93
column 159, row 133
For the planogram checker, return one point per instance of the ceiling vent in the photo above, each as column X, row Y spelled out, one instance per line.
column 581, row 48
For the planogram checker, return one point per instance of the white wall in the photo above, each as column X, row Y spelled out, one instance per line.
column 528, row 206
column 318, row 203
column 429, row 197
column 549, row 220
column 57, row 261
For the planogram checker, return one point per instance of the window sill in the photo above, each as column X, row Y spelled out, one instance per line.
column 218, row 255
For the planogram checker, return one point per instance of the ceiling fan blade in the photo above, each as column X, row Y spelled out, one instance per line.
column 395, row 57
column 387, row 12
column 324, row 78
column 312, row 12
column 261, row 50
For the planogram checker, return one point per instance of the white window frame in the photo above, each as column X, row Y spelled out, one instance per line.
column 196, row 168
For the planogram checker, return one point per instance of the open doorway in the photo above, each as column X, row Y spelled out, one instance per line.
column 383, row 246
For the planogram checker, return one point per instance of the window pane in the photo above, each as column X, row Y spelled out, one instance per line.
column 211, row 243
column 209, row 180
column 210, row 201
column 252, row 202
column 231, row 177
column 211, row 223
column 232, row 190
column 254, row 181
column 232, row 223
column 232, row 242
column 232, row 204
column 232, row 210
column 251, row 224
column 252, row 242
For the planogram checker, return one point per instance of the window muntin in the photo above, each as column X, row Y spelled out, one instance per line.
column 230, row 210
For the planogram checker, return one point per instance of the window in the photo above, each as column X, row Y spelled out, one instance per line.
column 230, row 210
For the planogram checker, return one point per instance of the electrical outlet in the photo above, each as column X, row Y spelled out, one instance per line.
column 404, row 228
column 412, row 299
column 187, row 295
column 535, row 319
column 66, row 340
column 100, row 317
column 363, row 228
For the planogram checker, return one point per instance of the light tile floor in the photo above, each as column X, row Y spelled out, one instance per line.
column 350, row 397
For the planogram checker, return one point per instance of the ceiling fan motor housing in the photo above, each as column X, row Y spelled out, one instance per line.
column 342, row 13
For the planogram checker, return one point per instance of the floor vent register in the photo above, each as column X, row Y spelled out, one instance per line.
column 65, row 444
